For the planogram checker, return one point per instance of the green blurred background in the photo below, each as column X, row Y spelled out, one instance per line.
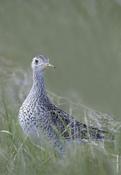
column 81, row 37
column 83, row 40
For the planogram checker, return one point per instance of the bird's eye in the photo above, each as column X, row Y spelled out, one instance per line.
column 36, row 61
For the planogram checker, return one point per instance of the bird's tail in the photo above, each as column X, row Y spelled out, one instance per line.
column 106, row 127
column 98, row 134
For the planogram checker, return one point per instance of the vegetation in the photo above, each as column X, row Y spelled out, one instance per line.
column 19, row 155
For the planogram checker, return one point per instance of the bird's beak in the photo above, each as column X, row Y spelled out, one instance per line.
column 50, row 65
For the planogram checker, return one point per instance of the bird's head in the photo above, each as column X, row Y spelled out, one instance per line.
column 40, row 62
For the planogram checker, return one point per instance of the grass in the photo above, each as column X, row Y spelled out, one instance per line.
column 18, row 155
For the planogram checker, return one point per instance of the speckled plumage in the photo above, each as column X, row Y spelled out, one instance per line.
column 39, row 116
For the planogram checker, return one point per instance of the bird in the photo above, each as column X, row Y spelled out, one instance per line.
column 40, row 118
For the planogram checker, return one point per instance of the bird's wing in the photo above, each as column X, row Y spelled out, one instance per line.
column 70, row 128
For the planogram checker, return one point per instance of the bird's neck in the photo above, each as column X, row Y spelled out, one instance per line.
column 38, row 87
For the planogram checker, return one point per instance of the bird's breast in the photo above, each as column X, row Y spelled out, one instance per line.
column 33, row 118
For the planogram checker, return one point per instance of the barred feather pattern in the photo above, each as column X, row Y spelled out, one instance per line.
column 39, row 116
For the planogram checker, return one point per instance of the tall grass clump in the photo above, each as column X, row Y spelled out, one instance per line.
column 19, row 155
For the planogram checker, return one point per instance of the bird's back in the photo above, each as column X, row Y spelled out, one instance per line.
column 69, row 128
